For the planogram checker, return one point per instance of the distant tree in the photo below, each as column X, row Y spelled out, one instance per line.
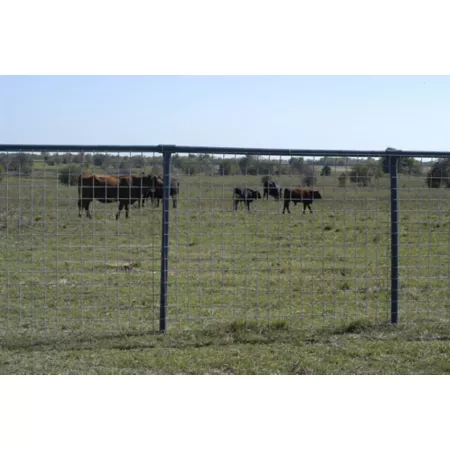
column 190, row 165
column 2, row 172
column 193, row 164
column 45, row 155
column 309, row 180
column 407, row 165
column 374, row 168
column 434, row 178
column 68, row 175
column 137, row 161
column 206, row 163
column 308, row 177
column 342, row 179
column 307, row 170
column 331, row 161
column 20, row 162
column 125, row 164
column 326, row 171
column 67, row 158
column 439, row 174
column 100, row 159
column 4, row 159
column 176, row 158
column 361, row 174
column 229, row 167
column 78, row 158
column 344, row 161
column 296, row 165
column 411, row 166
column 248, row 165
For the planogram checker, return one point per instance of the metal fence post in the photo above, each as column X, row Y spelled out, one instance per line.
column 393, row 172
column 165, row 241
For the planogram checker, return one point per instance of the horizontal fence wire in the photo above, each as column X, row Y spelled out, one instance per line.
column 270, row 237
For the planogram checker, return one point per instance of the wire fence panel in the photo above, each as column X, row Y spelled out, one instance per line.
column 425, row 247
column 62, row 273
column 236, row 261
column 293, row 241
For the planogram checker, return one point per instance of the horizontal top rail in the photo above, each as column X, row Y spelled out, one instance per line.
column 218, row 150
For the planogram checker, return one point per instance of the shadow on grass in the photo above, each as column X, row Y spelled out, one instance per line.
column 70, row 340
column 364, row 326
column 250, row 332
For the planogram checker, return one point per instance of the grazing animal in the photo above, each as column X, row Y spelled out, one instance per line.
column 273, row 189
column 305, row 196
column 125, row 189
column 245, row 195
column 157, row 191
column 136, row 181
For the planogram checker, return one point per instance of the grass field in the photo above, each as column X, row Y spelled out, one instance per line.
column 257, row 292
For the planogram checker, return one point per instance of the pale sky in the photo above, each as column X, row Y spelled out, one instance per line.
column 297, row 112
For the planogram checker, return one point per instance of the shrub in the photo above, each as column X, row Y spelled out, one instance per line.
column 407, row 165
column 342, row 179
column 361, row 175
column 69, row 175
column 229, row 167
column 101, row 160
column 326, row 171
column 309, row 180
column 439, row 174
column 19, row 162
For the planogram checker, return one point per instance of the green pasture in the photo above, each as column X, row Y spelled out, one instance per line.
column 249, row 292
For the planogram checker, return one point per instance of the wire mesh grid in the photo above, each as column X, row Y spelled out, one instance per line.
column 235, row 254
column 63, row 273
column 248, row 260
column 424, row 242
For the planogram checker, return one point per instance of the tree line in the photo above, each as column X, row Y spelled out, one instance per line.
column 362, row 171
